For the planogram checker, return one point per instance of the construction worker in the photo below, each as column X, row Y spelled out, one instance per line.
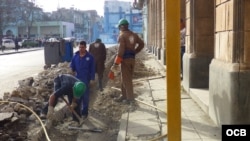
column 129, row 44
column 83, row 66
column 69, row 85
column 98, row 50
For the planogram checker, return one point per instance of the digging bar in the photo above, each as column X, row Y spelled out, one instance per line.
column 96, row 130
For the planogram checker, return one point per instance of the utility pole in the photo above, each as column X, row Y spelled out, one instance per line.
column 172, row 26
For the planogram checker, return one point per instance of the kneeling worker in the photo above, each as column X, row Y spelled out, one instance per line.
column 69, row 85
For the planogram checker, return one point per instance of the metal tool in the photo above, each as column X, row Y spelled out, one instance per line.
column 73, row 111
column 96, row 130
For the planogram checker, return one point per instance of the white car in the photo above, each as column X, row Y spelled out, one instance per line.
column 7, row 44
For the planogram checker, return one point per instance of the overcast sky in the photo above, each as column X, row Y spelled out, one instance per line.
column 51, row 5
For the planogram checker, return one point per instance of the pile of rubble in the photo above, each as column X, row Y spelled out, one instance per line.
column 104, row 103
column 33, row 93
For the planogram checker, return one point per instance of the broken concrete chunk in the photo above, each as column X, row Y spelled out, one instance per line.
column 26, row 82
column 6, row 116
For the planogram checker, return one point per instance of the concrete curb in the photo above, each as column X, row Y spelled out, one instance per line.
column 123, row 127
column 20, row 51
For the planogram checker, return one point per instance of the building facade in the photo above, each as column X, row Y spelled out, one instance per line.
column 38, row 30
column 216, row 62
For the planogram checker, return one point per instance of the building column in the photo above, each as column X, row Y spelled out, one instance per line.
column 199, row 43
column 158, row 30
column 154, row 27
column 150, row 32
column 162, row 35
column 229, row 99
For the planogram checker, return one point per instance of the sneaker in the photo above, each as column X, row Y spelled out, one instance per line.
column 120, row 99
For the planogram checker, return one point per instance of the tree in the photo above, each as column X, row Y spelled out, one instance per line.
column 28, row 14
column 19, row 12
column 7, row 14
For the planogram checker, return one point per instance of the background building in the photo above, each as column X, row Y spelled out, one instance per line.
column 113, row 12
column 29, row 21
column 47, row 29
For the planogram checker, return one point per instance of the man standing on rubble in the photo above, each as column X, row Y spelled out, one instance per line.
column 69, row 85
column 98, row 50
column 83, row 66
column 129, row 44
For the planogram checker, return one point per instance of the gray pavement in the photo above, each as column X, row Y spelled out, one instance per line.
column 147, row 123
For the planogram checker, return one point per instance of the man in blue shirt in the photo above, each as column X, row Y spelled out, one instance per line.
column 83, row 66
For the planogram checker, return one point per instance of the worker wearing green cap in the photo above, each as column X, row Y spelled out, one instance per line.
column 69, row 85
column 129, row 45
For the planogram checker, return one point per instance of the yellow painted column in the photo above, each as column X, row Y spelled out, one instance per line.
column 172, row 24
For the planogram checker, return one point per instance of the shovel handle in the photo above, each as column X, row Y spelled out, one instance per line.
column 72, row 110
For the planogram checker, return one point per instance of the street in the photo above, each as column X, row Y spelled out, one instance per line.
column 18, row 66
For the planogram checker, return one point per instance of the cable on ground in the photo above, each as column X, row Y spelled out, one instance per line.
column 44, row 129
column 160, row 137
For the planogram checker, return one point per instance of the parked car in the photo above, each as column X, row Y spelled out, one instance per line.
column 30, row 43
column 7, row 44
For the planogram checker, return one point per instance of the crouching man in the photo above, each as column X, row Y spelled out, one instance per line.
column 69, row 85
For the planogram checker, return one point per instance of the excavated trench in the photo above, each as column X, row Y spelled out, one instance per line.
column 19, row 124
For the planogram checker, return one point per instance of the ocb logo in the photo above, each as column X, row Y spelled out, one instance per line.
column 236, row 132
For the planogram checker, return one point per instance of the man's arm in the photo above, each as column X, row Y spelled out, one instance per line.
column 121, row 50
column 140, row 44
column 52, row 100
column 51, row 107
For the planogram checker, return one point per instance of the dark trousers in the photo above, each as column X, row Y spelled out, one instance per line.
column 99, row 70
column 85, row 102
column 182, row 53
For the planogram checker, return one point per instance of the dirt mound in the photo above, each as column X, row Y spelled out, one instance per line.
column 103, row 102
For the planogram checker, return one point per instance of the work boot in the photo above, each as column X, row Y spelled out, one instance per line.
column 120, row 99
column 130, row 102
column 131, row 105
